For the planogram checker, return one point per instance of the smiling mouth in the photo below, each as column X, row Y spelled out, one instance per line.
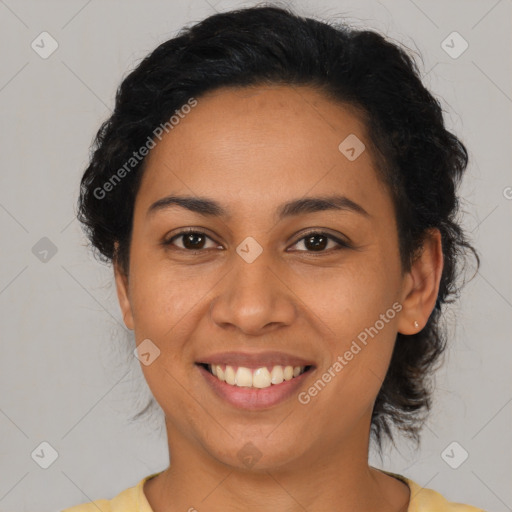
column 264, row 377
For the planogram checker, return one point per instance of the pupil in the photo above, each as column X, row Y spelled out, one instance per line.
column 192, row 237
column 316, row 245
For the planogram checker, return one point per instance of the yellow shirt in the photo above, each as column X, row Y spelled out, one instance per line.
column 134, row 500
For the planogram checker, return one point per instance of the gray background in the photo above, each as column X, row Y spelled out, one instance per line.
column 67, row 375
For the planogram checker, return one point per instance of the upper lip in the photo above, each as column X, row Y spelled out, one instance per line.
column 255, row 360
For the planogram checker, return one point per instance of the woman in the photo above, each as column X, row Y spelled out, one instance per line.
column 278, row 197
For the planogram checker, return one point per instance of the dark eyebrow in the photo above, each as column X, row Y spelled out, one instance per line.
column 210, row 208
column 319, row 204
column 201, row 205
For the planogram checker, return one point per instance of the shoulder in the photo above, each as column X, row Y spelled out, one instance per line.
column 129, row 500
column 424, row 499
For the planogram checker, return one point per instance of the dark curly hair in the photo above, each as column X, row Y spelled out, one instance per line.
column 416, row 157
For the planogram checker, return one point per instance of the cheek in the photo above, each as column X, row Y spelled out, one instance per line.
column 162, row 296
column 351, row 297
column 358, row 304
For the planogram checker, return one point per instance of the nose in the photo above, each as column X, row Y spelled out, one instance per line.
column 253, row 298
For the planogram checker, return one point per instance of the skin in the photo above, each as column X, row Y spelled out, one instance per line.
column 251, row 150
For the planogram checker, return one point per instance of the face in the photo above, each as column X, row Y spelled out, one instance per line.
column 293, row 261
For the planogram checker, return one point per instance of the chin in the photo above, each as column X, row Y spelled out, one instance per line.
column 259, row 453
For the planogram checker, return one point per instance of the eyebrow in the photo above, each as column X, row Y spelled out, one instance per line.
column 211, row 208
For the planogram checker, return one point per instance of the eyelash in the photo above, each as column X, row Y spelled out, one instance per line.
column 341, row 244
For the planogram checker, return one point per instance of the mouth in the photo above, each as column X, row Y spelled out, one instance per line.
column 261, row 378
column 254, row 382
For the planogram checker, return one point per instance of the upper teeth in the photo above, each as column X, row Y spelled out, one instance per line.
column 258, row 378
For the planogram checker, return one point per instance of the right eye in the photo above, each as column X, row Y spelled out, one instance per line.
column 191, row 240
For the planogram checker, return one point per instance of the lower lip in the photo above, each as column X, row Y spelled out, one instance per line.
column 254, row 399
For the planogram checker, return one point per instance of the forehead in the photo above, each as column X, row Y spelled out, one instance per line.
column 261, row 142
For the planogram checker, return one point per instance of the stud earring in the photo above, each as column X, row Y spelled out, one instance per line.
column 416, row 324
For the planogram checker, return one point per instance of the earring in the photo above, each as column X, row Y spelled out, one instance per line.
column 416, row 324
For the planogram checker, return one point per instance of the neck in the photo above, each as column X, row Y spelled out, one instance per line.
column 322, row 479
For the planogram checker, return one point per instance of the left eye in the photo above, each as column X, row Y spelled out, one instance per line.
column 318, row 242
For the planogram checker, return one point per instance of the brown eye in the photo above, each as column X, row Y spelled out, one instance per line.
column 318, row 242
column 193, row 240
column 190, row 240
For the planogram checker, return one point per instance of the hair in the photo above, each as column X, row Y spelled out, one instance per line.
column 419, row 160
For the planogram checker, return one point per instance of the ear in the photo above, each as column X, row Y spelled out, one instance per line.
column 123, row 294
column 421, row 284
